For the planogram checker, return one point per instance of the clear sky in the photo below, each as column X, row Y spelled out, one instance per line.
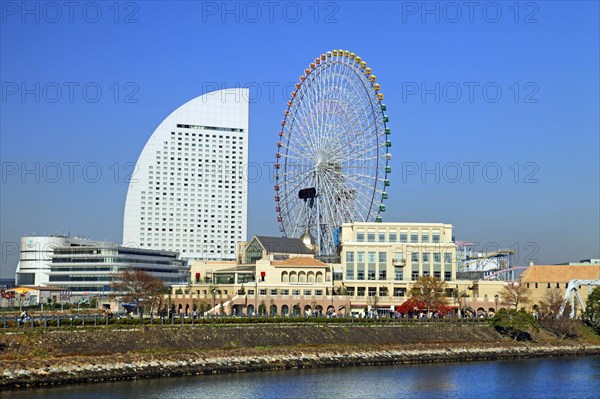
column 494, row 108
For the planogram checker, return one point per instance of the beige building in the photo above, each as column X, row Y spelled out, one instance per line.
column 378, row 263
column 381, row 259
column 542, row 279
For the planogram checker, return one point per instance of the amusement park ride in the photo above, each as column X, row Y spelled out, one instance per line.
column 333, row 151
column 495, row 265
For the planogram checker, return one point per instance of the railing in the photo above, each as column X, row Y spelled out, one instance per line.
column 10, row 323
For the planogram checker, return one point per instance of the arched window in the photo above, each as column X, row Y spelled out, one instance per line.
column 301, row 277
column 319, row 277
column 293, row 277
column 285, row 277
column 310, row 277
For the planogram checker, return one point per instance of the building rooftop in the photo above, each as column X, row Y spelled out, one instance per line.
column 299, row 261
column 284, row 245
column 560, row 273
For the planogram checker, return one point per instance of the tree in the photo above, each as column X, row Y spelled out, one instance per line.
column 138, row 287
column 431, row 291
column 514, row 294
column 592, row 307
column 551, row 303
column 514, row 323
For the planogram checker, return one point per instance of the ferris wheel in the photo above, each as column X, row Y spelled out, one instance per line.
column 333, row 151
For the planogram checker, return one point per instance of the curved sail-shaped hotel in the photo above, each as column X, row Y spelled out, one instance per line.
column 188, row 192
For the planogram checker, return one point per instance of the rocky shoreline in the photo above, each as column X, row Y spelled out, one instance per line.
column 107, row 368
column 25, row 364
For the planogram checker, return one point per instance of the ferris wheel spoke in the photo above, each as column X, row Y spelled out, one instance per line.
column 333, row 140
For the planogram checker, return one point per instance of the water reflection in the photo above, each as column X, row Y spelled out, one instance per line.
column 534, row 378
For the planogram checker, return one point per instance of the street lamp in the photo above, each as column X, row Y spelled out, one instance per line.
column 496, row 300
column 214, row 292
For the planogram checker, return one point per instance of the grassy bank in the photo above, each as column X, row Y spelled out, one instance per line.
column 39, row 357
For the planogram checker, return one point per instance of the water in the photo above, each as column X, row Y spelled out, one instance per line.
column 529, row 378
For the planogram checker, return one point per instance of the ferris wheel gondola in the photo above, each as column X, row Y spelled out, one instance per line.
column 333, row 150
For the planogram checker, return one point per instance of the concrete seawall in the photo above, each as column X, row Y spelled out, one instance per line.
column 86, row 356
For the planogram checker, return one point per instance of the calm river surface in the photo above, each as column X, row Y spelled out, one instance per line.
column 529, row 378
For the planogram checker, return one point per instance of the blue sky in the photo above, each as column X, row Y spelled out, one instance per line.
column 500, row 103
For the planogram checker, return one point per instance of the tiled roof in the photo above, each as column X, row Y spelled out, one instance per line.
column 284, row 245
column 560, row 273
column 299, row 261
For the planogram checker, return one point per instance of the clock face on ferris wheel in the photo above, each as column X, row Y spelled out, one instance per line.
column 333, row 150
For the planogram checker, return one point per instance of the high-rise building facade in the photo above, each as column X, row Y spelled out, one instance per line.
column 189, row 189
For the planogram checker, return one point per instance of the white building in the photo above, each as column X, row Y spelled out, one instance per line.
column 89, row 266
column 35, row 257
column 189, row 190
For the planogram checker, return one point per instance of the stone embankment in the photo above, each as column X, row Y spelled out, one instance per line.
column 87, row 356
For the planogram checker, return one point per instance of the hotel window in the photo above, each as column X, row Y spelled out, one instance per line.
column 319, row 292
column 371, row 235
column 398, row 275
column 447, row 276
column 414, row 257
column 372, row 266
column 360, row 291
column 425, row 257
column 360, row 235
column 372, row 291
column 350, row 257
column 393, row 236
column 414, row 276
column 307, row 292
column 437, row 257
column 273, row 292
column 398, row 257
column 403, row 236
column 414, row 237
column 448, row 258
column 382, row 236
column 435, row 237
column 399, row 291
column 425, row 236
column 360, row 269
column 350, row 271
column 296, row 292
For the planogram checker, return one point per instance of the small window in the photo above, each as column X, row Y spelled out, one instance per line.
column 371, row 236
column 360, row 236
